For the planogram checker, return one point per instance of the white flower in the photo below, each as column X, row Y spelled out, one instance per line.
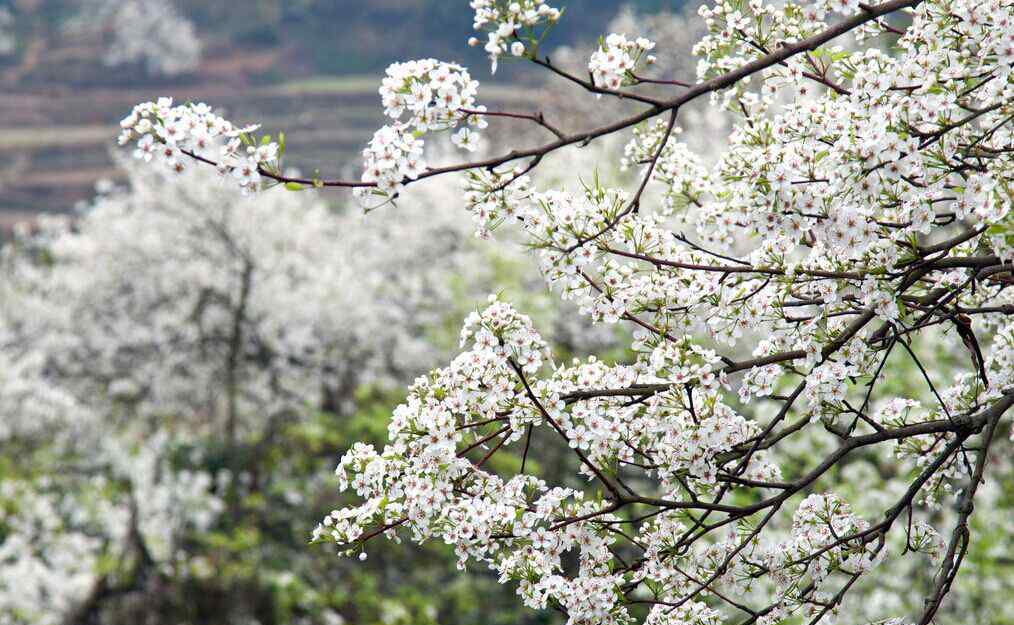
column 611, row 64
column 466, row 139
column 245, row 172
column 145, row 148
column 505, row 22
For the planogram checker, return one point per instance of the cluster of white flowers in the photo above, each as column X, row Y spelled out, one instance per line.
column 44, row 409
column 613, row 64
column 393, row 155
column 564, row 227
column 421, row 465
column 820, row 521
column 169, row 134
column 48, row 569
column 493, row 196
column 168, row 502
column 420, row 97
column 690, row 442
column 430, row 93
column 826, row 539
column 509, row 24
column 64, row 532
column 739, row 31
column 678, row 169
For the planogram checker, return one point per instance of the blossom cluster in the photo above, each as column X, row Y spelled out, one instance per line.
column 432, row 94
column 820, row 521
column 613, row 64
column 416, row 474
column 495, row 196
column 419, row 97
column 679, row 171
column 393, row 155
column 44, row 566
column 738, row 33
column 170, row 133
column 508, row 23
column 64, row 532
column 149, row 34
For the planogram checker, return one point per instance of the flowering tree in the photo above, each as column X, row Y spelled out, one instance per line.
column 163, row 347
column 773, row 298
column 176, row 297
column 151, row 35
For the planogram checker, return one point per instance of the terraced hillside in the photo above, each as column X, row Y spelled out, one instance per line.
column 55, row 145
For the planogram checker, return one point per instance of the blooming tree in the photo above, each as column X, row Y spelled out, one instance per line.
column 153, row 33
column 860, row 217
column 155, row 345
column 174, row 296
column 150, row 33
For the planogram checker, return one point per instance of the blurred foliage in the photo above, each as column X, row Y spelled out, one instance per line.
column 254, row 564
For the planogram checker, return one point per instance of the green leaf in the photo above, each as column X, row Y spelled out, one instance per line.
column 294, row 186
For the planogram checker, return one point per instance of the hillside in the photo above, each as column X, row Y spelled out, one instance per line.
column 72, row 69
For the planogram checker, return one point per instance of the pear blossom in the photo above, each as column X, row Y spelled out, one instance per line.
column 611, row 66
column 511, row 22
